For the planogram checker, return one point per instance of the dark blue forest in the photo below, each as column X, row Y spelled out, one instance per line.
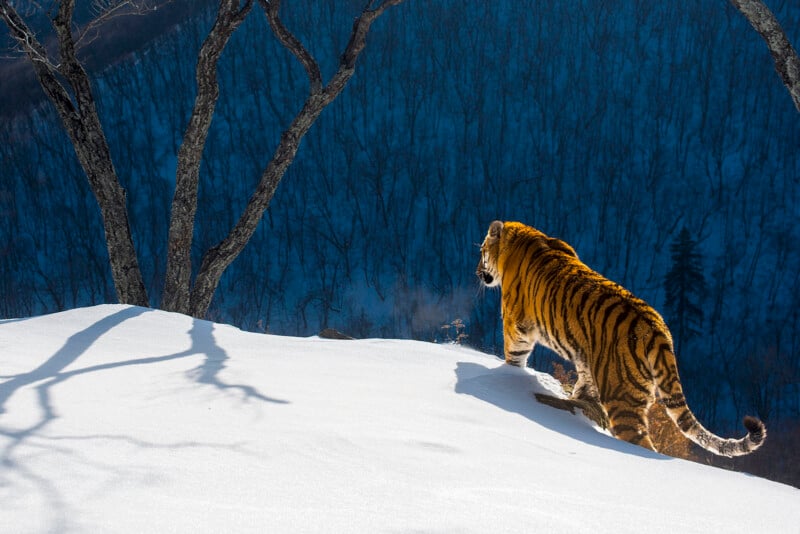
column 613, row 125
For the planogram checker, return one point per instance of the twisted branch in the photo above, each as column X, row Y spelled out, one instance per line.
column 292, row 43
column 786, row 60
column 218, row 258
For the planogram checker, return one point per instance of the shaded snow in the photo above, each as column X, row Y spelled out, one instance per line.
column 124, row 419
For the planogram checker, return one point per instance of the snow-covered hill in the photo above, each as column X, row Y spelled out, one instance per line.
column 125, row 419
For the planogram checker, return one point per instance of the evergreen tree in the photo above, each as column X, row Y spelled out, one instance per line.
column 685, row 288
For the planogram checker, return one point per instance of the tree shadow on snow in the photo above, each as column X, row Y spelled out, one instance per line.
column 203, row 342
column 513, row 389
column 73, row 348
column 51, row 373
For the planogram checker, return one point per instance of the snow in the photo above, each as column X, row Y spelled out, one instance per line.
column 124, row 419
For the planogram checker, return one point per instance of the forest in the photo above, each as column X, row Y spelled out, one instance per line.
column 644, row 134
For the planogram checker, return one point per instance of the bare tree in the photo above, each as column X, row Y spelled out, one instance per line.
column 786, row 60
column 219, row 257
column 67, row 85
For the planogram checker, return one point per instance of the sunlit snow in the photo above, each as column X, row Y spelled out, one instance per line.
column 124, row 419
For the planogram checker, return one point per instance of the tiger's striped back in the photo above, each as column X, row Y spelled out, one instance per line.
column 621, row 347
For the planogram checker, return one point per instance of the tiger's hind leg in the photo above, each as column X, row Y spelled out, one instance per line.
column 628, row 420
column 584, row 395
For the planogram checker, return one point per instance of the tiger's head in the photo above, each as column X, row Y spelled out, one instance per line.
column 518, row 240
column 487, row 270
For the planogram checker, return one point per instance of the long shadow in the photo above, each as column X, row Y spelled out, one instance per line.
column 51, row 373
column 513, row 389
column 203, row 342
column 52, row 369
column 73, row 348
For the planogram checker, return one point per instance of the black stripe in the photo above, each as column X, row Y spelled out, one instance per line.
column 676, row 401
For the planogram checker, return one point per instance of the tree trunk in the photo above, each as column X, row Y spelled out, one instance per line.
column 184, row 202
column 78, row 113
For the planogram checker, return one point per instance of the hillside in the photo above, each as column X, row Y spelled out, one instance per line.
column 612, row 125
column 124, row 419
column 121, row 36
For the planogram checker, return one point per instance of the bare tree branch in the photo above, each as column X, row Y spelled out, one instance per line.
column 786, row 60
column 24, row 36
column 218, row 258
column 290, row 42
column 27, row 7
column 106, row 10
column 358, row 40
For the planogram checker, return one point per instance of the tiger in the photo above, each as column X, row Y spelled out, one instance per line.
column 621, row 347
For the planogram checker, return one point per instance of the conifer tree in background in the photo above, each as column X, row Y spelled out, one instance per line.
column 685, row 288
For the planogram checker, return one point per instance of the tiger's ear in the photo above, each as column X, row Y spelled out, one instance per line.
column 562, row 246
column 494, row 229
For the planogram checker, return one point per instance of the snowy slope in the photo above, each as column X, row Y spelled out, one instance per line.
column 124, row 419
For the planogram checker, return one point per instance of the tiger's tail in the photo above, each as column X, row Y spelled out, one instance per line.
column 679, row 412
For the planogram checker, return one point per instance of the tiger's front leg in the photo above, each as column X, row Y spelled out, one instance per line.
column 585, row 388
column 517, row 344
